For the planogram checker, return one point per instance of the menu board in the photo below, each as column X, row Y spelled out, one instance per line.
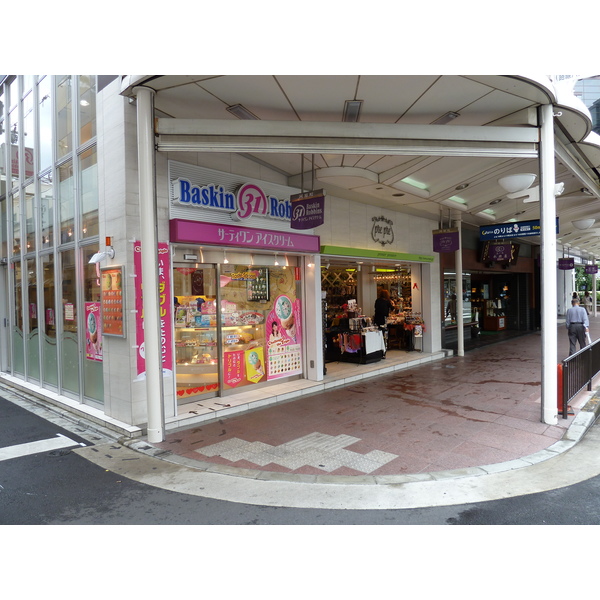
column 113, row 301
column 258, row 285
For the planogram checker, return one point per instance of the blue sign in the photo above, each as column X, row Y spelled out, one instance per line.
column 502, row 231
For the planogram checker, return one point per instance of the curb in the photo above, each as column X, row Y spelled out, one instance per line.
column 581, row 424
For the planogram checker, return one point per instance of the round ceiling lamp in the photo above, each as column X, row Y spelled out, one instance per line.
column 583, row 223
column 517, row 182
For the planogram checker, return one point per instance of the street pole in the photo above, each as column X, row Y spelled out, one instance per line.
column 548, row 254
column 150, row 280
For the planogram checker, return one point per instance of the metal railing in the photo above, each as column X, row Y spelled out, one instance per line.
column 577, row 371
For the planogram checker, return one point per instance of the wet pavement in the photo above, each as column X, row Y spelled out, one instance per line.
column 440, row 416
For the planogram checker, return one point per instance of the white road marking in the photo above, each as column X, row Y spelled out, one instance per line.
column 18, row 450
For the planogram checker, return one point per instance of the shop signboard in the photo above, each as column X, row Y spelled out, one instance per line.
column 501, row 231
column 308, row 210
column 165, row 299
column 566, row 264
column 446, row 240
column 196, row 232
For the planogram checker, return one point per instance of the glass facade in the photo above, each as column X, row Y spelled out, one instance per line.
column 49, row 228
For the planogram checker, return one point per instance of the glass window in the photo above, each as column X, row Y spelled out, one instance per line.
column 48, row 324
column 66, row 199
column 29, row 217
column 45, row 119
column 69, row 343
column 2, row 144
column 93, row 384
column 33, row 340
column 89, row 193
column 46, row 212
column 87, row 108
column 16, row 223
column 3, row 228
column 17, row 337
column 13, row 139
column 64, row 124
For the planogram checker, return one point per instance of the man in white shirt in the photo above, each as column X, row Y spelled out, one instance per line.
column 577, row 324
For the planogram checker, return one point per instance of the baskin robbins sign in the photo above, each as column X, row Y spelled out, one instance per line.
column 249, row 199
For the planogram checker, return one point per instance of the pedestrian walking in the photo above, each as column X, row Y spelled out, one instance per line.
column 578, row 325
column 587, row 303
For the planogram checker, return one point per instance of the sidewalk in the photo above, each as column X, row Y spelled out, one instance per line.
column 444, row 417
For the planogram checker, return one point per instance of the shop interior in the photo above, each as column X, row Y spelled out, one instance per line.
column 236, row 325
column 349, row 289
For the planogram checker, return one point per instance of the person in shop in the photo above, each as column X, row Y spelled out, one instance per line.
column 587, row 303
column 578, row 325
column 383, row 308
column 451, row 308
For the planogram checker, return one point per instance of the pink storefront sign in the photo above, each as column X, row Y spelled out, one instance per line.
column 196, row 232
column 166, row 314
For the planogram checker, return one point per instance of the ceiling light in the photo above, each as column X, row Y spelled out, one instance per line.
column 241, row 112
column 352, row 111
column 449, row 116
column 496, row 201
column 516, row 183
column 583, row 223
column 462, row 186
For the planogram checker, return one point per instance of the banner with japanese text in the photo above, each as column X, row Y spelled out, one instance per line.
column 166, row 316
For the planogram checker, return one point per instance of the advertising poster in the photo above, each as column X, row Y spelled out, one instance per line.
column 284, row 338
column 165, row 299
column 255, row 364
column 93, row 331
column 234, row 367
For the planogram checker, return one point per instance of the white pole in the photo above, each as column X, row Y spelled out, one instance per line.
column 150, row 280
column 594, row 288
column 459, row 292
column 549, row 279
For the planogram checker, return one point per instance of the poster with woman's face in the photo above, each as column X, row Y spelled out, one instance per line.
column 284, row 337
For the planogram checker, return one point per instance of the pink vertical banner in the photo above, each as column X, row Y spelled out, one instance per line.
column 93, row 331
column 233, row 367
column 166, row 319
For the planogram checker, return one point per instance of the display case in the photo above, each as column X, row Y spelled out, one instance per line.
column 196, row 350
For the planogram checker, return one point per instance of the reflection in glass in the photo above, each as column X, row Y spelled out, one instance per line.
column 66, row 205
column 89, row 193
column 16, row 223
column 48, row 324
column 29, row 217
column 33, row 345
column 64, row 125
column 46, row 212
column 45, row 122
column 87, row 108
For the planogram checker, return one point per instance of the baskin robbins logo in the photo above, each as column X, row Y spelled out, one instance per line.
column 249, row 199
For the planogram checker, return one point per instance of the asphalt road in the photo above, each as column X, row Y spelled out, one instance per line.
column 58, row 486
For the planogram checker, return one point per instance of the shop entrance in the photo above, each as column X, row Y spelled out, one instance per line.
column 350, row 289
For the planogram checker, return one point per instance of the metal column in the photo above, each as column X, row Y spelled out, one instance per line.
column 548, row 255
column 460, row 330
column 149, row 242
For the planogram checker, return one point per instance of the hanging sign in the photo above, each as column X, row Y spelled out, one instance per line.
column 308, row 210
column 446, row 240
column 591, row 269
column 511, row 230
column 565, row 264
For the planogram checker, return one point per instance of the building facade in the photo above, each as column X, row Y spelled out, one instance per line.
column 250, row 296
